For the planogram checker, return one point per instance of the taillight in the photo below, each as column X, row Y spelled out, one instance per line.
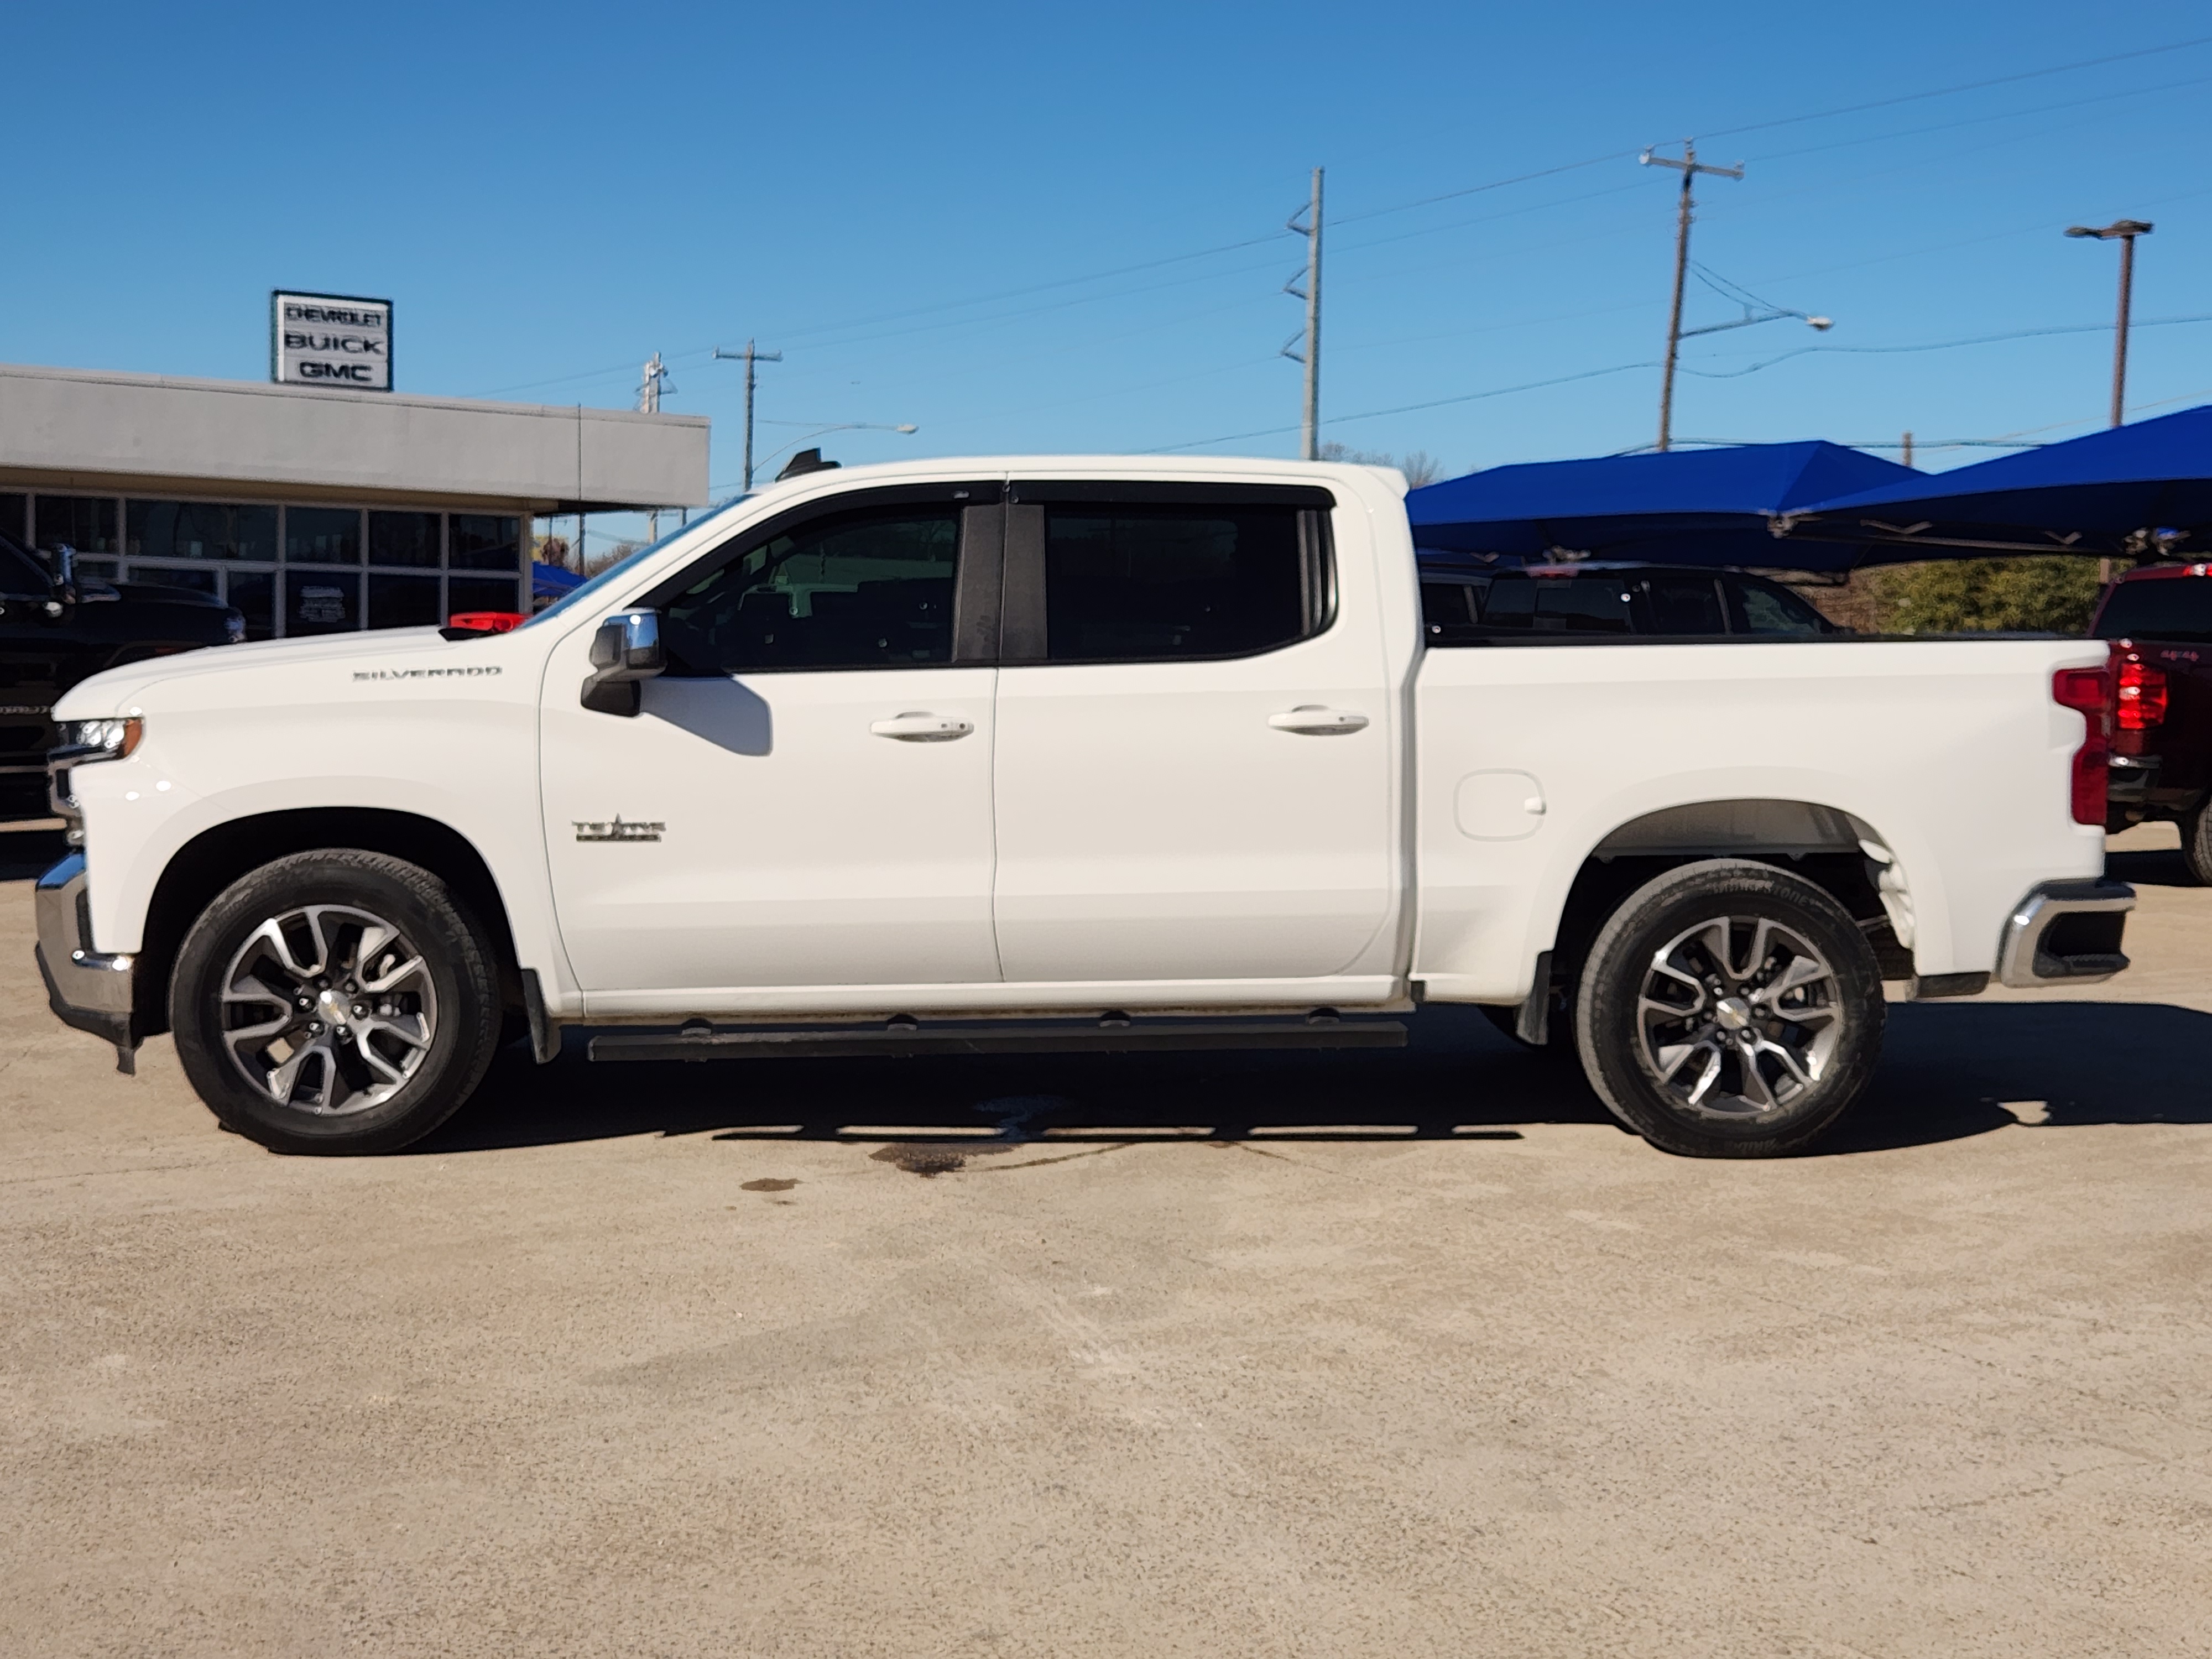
column 2090, row 690
column 2142, row 694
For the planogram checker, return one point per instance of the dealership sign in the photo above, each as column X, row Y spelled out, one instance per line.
column 330, row 339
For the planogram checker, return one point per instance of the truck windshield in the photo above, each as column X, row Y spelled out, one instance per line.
column 579, row 597
column 2163, row 608
column 21, row 574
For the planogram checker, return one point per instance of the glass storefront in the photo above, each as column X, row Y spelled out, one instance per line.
column 290, row 570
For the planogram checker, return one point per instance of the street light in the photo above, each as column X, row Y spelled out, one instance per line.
column 2126, row 230
column 1771, row 314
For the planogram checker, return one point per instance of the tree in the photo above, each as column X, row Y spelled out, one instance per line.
column 1419, row 465
column 2056, row 593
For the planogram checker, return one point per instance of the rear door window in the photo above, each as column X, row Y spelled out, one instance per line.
column 1595, row 603
column 1768, row 609
column 1686, row 603
column 1448, row 604
column 2163, row 608
column 1134, row 582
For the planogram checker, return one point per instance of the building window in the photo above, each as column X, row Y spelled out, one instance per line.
column 86, row 523
column 321, row 601
column 466, row 593
column 482, row 542
column 407, row 539
column 261, row 558
column 200, row 579
column 252, row 594
column 403, row 602
column 200, row 530
column 322, row 535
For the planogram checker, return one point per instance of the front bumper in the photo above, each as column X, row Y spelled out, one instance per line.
column 2065, row 932
column 85, row 990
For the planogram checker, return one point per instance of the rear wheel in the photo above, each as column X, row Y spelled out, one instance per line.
column 2196, row 844
column 335, row 1001
column 1730, row 1009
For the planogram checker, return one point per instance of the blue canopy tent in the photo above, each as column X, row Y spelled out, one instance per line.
column 2135, row 490
column 1684, row 506
column 551, row 581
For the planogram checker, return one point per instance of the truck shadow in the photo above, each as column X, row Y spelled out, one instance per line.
column 2158, row 867
column 29, row 850
column 1949, row 1071
column 1954, row 1069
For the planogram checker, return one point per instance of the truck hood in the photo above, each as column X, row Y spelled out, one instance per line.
column 410, row 650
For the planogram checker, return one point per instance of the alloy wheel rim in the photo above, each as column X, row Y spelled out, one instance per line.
column 1738, row 1018
column 328, row 1010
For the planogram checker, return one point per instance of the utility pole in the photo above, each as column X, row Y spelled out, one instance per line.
column 655, row 375
column 749, row 356
column 1908, row 449
column 2125, row 231
column 1689, row 167
column 1311, row 355
column 653, row 378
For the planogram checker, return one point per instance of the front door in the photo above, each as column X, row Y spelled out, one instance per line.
column 804, row 797
column 1195, row 741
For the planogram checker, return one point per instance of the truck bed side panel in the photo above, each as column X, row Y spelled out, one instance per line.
column 1951, row 753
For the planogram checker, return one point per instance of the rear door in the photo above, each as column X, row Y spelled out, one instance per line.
column 1195, row 739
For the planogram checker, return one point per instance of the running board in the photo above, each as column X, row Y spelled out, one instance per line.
column 904, row 1038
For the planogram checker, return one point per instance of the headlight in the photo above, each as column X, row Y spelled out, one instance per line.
column 85, row 741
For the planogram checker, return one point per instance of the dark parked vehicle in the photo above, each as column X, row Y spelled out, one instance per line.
column 1461, row 603
column 2159, row 621
column 56, row 630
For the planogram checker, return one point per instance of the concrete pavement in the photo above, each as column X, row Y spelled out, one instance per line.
column 1398, row 1354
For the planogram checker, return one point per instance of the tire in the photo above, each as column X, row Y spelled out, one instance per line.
column 2196, row 844
column 1734, row 1076
column 345, row 936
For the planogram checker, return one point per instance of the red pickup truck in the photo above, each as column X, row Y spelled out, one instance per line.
column 2159, row 621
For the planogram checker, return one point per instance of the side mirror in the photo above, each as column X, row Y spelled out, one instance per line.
column 65, row 574
column 626, row 650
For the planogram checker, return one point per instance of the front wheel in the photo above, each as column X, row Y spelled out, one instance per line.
column 335, row 1001
column 1730, row 1009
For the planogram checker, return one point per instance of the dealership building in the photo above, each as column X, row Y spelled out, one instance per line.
column 319, row 508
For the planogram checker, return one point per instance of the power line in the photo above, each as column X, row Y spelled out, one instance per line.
column 1966, row 86
column 1983, row 120
column 1476, row 189
column 1404, row 409
column 940, row 307
column 1940, row 345
column 1622, row 368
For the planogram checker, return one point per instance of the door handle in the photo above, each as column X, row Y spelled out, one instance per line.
column 1311, row 719
column 917, row 726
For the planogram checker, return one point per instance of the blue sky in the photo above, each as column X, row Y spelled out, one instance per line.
column 1044, row 227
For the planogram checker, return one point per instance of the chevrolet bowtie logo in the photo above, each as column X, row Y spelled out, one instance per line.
column 619, row 828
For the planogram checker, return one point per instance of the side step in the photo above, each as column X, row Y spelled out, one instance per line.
column 903, row 1037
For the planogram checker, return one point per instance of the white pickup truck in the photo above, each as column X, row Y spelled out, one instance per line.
column 1061, row 754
